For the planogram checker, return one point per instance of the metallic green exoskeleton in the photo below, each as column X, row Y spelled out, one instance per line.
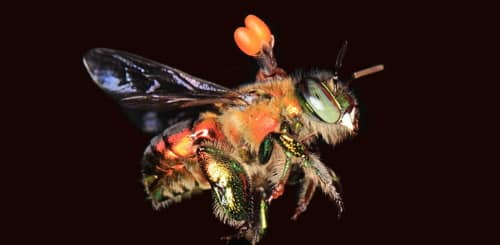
column 229, row 181
column 243, row 144
column 234, row 202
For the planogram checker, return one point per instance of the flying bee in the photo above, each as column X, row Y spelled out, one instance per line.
column 243, row 144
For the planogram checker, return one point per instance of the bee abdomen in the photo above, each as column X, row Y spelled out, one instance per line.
column 168, row 180
column 169, row 167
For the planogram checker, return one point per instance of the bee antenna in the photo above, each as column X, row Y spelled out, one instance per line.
column 364, row 72
column 340, row 58
column 355, row 75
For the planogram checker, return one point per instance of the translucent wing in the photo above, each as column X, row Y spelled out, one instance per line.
column 154, row 122
column 138, row 82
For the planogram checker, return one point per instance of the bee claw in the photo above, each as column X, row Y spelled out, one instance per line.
column 226, row 239
column 235, row 237
column 269, row 200
column 340, row 206
column 302, row 207
column 230, row 238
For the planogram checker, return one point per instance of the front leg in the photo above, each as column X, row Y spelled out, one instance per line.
column 292, row 148
column 316, row 173
column 325, row 178
column 305, row 195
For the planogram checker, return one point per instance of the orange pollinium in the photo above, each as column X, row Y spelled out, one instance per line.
column 258, row 27
column 253, row 37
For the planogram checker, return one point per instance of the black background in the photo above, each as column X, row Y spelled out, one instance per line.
column 79, row 176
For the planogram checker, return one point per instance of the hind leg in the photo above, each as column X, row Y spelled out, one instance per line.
column 235, row 203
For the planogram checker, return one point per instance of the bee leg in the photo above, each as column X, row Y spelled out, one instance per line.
column 327, row 180
column 279, row 188
column 292, row 148
column 254, row 229
column 230, row 186
column 305, row 195
column 237, row 236
column 257, row 226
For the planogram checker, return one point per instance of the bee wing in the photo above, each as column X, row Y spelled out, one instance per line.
column 154, row 122
column 138, row 82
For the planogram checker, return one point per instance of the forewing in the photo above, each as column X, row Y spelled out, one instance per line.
column 138, row 82
column 154, row 122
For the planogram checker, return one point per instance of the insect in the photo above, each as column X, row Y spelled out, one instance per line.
column 244, row 144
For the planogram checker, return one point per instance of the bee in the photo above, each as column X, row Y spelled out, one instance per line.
column 244, row 144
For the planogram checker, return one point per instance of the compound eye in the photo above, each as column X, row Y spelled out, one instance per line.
column 345, row 101
column 318, row 100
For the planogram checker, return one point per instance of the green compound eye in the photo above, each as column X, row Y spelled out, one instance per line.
column 317, row 99
column 344, row 101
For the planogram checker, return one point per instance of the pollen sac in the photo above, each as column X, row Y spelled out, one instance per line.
column 229, row 181
column 258, row 27
column 247, row 41
column 252, row 38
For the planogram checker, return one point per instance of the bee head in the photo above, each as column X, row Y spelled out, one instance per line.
column 326, row 99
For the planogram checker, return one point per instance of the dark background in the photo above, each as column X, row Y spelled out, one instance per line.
column 78, row 155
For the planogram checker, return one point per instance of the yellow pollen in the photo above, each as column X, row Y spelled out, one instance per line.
column 292, row 110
